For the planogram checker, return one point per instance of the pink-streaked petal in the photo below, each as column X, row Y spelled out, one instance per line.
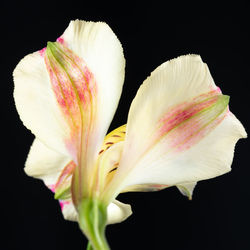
column 179, row 129
column 210, row 157
column 187, row 125
column 75, row 90
column 97, row 45
column 68, row 92
column 63, row 184
column 166, row 95
column 99, row 48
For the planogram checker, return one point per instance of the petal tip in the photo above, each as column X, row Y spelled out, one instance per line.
column 118, row 212
column 187, row 57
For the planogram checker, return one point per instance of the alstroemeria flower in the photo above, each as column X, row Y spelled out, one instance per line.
column 179, row 129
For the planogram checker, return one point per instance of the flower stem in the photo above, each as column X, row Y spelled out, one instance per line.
column 92, row 221
column 89, row 246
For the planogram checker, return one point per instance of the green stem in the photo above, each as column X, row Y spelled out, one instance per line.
column 89, row 246
column 92, row 220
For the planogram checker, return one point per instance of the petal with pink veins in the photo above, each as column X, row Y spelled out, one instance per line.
column 67, row 93
column 179, row 129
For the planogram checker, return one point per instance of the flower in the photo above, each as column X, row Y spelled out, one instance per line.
column 179, row 129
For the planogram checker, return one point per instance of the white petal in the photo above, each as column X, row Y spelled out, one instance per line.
column 148, row 157
column 102, row 52
column 44, row 163
column 116, row 211
column 99, row 47
column 68, row 210
column 144, row 188
column 36, row 104
column 209, row 158
column 187, row 189
column 38, row 108
column 67, row 94
column 172, row 83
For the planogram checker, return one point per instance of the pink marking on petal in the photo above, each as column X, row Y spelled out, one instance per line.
column 185, row 111
column 65, row 176
column 159, row 186
column 190, row 133
column 218, row 90
column 42, row 52
column 73, row 84
column 60, row 39
column 187, row 123
column 52, row 187
column 75, row 90
column 63, row 204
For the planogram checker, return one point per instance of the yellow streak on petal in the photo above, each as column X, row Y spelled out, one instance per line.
column 109, row 156
column 113, row 137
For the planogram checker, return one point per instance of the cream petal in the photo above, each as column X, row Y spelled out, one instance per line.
column 38, row 108
column 179, row 129
column 144, row 188
column 187, row 189
column 99, row 47
column 68, row 92
column 68, row 210
column 173, row 83
column 116, row 211
column 44, row 163
column 210, row 157
column 102, row 52
column 36, row 104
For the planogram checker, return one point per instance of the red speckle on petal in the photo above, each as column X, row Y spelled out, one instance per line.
column 187, row 123
column 75, row 90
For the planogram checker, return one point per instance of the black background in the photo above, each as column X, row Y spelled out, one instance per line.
column 218, row 216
